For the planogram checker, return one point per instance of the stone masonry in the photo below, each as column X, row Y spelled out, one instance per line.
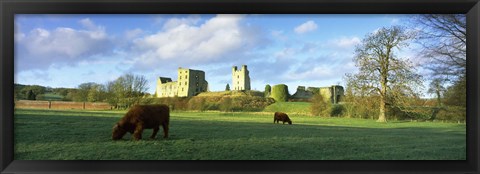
column 190, row 83
column 240, row 78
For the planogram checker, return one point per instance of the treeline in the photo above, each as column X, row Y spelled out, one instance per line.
column 121, row 93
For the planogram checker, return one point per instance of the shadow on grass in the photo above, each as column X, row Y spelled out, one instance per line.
column 214, row 139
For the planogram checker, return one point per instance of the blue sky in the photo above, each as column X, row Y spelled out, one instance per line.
column 297, row 50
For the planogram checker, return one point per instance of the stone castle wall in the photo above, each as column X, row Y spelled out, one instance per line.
column 190, row 83
column 333, row 94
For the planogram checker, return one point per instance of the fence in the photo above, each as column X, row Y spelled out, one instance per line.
column 31, row 104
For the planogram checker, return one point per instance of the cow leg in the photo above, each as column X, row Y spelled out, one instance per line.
column 283, row 122
column 137, row 135
column 274, row 120
column 155, row 130
column 165, row 130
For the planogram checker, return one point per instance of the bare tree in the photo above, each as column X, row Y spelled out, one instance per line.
column 444, row 39
column 381, row 72
column 436, row 88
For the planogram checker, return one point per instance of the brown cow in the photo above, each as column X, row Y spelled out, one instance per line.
column 280, row 116
column 142, row 117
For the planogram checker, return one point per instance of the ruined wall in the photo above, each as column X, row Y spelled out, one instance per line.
column 302, row 93
column 332, row 94
column 240, row 78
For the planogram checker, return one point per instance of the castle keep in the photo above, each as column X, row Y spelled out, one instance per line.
column 240, row 78
column 190, row 83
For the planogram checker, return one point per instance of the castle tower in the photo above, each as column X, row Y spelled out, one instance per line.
column 240, row 78
column 190, row 83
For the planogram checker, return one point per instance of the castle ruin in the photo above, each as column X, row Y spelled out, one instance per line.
column 190, row 83
column 333, row 94
column 240, row 78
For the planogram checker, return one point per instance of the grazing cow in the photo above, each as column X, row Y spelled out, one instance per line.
column 280, row 116
column 142, row 117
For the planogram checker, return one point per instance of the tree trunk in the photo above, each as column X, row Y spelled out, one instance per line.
column 381, row 117
column 383, row 95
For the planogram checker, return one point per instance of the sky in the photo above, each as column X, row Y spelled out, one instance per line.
column 296, row 50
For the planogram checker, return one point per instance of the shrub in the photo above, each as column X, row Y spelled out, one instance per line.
column 250, row 103
column 320, row 107
column 268, row 90
column 452, row 113
column 225, row 104
column 336, row 110
column 280, row 93
column 175, row 103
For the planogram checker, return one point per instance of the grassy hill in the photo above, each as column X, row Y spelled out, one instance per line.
column 231, row 93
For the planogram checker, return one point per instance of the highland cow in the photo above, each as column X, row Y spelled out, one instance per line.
column 142, row 117
column 280, row 116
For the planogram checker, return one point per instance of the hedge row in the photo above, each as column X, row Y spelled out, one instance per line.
column 220, row 103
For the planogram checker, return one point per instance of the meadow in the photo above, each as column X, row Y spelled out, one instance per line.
column 86, row 135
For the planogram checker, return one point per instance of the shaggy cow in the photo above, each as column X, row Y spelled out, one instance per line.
column 143, row 117
column 280, row 116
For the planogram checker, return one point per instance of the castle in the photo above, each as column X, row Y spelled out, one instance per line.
column 190, row 83
column 240, row 78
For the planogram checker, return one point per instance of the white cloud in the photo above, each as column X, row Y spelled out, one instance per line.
column 41, row 48
column 186, row 42
column 131, row 34
column 175, row 22
column 346, row 42
column 315, row 73
column 306, row 27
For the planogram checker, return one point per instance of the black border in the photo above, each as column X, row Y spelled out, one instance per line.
column 10, row 7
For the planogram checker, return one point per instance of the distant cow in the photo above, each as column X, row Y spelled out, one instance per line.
column 143, row 117
column 280, row 116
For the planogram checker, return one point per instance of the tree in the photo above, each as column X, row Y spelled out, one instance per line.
column 320, row 106
column 456, row 94
column 227, row 88
column 96, row 93
column 381, row 72
column 30, row 95
column 443, row 37
column 268, row 90
column 436, row 88
column 81, row 94
column 126, row 90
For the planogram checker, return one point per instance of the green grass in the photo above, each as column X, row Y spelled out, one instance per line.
column 52, row 97
column 292, row 108
column 86, row 135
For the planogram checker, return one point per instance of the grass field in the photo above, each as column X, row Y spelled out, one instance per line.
column 292, row 108
column 86, row 135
